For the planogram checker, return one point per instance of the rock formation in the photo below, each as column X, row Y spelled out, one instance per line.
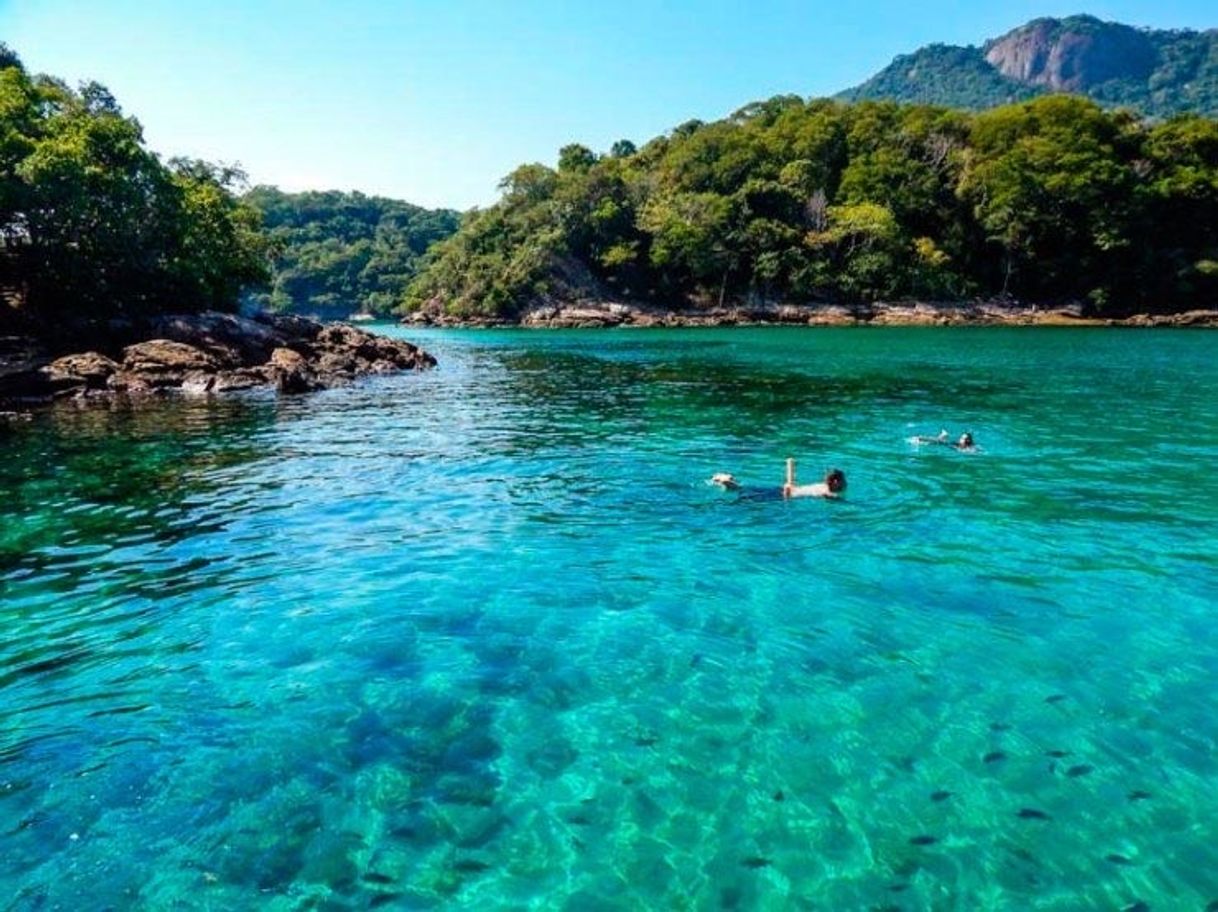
column 1062, row 59
column 607, row 314
column 199, row 354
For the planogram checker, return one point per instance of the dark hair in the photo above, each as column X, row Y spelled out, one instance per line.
column 835, row 480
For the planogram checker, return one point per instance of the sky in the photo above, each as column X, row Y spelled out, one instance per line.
column 434, row 101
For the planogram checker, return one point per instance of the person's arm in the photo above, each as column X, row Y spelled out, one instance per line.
column 789, row 486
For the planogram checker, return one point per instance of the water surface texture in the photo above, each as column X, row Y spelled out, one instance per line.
column 485, row 638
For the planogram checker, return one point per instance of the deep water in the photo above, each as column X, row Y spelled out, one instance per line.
column 485, row 637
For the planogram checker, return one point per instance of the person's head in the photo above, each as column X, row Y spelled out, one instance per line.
column 835, row 481
column 966, row 440
column 725, row 480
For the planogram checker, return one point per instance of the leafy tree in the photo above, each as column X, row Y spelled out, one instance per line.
column 95, row 225
column 623, row 148
column 1176, row 233
column 690, row 237
column 1050, row 181
column 1053, row 199
column 575, row 158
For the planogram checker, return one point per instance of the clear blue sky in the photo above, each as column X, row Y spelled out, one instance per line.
column 434, row 101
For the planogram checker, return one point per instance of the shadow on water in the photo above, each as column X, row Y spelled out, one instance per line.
column 587, row 395
column 119, row 474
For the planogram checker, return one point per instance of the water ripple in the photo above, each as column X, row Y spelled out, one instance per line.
column 484, row 635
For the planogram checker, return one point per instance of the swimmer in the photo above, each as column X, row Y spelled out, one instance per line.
column 832, row 487
column 941, row 437
column 963, row 442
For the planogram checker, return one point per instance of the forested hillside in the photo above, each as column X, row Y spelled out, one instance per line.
column 94, row 225
column 1050, row 200
column 1159, row 73
column 337, row 253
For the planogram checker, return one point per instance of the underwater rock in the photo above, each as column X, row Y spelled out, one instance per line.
column 552, row 758
column 1032, row 814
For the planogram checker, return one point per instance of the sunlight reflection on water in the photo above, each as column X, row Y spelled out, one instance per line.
column 485, row 636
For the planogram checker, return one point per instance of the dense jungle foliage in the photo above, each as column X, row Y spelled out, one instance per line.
column 94, row 225
column 337, row 253
column 1049, row 200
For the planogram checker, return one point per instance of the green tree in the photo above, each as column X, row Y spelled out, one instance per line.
column 1050, row 182
column 575, row 157
column 94, row 224
column 336, row 253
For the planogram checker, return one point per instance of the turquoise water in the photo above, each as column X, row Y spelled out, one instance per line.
column 485, row 638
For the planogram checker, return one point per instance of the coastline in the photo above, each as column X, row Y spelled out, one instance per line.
column 613, row 314
column 194, row 355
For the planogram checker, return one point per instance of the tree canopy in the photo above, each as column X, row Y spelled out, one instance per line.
column 336, row 253
column 93, row 224
column 1050, row 200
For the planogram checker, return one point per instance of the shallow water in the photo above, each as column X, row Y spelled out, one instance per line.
column 484, row 637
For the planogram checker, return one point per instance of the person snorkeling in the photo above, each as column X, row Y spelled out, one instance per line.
column 963, row 442
column 832, row 487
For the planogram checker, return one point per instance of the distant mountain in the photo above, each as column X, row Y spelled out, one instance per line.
column 1159, row 73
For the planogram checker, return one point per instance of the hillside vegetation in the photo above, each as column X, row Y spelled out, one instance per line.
column 1158, row 73
column 1050, row 200
column 337, row 253
column 93, row 225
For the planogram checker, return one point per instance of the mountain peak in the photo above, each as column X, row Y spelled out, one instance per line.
column 1072, row 55
column 1157, row 72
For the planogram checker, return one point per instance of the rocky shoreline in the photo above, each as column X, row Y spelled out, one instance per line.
column 202, row 354
column 605, row 314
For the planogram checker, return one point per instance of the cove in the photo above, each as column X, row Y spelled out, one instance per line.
column 484, row 637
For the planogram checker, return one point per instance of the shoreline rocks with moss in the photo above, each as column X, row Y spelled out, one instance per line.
column 607, row 314
column 204, row 354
